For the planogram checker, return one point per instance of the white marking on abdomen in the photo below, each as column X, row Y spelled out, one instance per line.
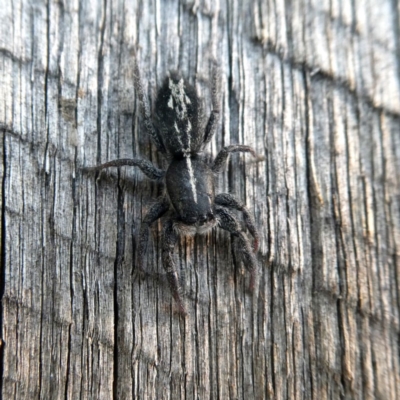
column 178, row 135
column 188, row 132
column 171, row 102
column 181, row 98
column 192, row 179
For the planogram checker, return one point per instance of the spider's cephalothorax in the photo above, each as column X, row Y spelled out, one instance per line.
column 189, row 201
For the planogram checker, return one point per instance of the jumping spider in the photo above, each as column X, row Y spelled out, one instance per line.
column 178, row 132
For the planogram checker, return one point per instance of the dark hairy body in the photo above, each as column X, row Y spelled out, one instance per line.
column 189, row 200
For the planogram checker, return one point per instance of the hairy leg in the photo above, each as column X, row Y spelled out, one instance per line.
column 228, row 222
column 229, row 201
column 146, row 167
column 145, row 108
column 212, row 124
column 170, row 237
column 222, row 157
column 155, row 212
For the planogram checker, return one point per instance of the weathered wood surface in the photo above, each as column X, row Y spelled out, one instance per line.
column 314, row 87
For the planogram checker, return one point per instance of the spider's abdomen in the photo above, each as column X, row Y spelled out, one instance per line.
column 190, row 186
column 179, row 115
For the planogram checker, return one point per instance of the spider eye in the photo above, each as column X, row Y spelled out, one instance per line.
column 203, row 219
column 189, row 219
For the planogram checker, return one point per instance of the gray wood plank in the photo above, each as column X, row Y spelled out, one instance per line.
column 315, row 89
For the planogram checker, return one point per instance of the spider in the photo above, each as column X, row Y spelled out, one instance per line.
column 189, row 200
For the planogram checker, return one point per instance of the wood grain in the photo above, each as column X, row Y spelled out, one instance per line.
column 315, row 89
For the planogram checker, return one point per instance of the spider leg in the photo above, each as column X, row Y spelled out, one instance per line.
column 155, row 212
column 146, row 167
column 145, row 109
column 228, row 222
column 222, row 157
column 229, row 201
column 212, row 124
column 170, row 237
